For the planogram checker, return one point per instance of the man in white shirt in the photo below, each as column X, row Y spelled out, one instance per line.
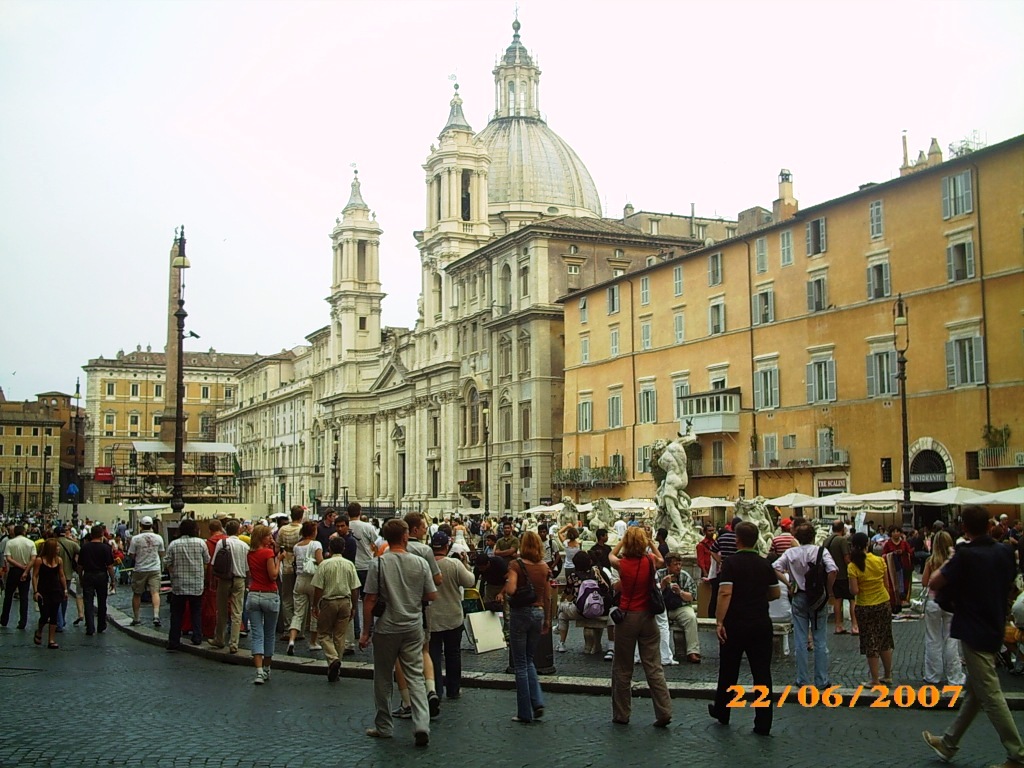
column 147, row 548
column 230, row 592
column 366, row 536
column 792, row 567
column 19, row 555
column 620, row 528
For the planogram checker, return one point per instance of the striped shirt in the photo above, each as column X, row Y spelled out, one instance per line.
column 725, row 545
column 782, row 542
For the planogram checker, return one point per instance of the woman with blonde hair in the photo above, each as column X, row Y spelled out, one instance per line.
column 636, row 561
column 529, row 618
column 263, row 603
column 941, row 652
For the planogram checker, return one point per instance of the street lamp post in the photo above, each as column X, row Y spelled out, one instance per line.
column 334, row 473
column 179, row 263
column 77, row 421
column 901, row 339
column 487, row 460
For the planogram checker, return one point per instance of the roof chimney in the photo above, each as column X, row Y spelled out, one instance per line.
column 786, row 206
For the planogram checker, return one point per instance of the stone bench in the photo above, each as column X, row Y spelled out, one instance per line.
column 592, row 632
column 781, row 631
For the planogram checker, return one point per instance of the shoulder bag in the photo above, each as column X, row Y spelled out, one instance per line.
column 525, row 595
column 381, row 605
column 657, row 597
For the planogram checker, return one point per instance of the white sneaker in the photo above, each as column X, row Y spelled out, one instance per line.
column 316, row 647
column 266, row 674
column 261, row 678
column 561, row 648
column 670, row 663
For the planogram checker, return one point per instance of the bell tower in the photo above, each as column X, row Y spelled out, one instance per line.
column 456, row 223
column 355, row 285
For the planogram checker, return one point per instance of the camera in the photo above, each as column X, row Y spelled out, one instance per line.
column 617, row 614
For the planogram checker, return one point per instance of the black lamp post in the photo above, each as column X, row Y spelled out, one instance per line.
column 901, row 339
column 334, row 473
column 487, row 460
column 179, row 263
column 79, row 449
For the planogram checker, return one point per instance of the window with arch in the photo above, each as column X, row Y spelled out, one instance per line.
column 525, row 425
column 505, row 419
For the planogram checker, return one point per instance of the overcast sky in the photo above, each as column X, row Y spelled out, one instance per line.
column 122, row 120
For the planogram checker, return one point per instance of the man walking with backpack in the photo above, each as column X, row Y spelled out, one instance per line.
column 811, row 572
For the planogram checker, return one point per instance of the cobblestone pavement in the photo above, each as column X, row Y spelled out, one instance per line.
column 114, row 701
column 846, row 666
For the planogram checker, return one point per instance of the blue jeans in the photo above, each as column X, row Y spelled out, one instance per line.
column 805, row 623
column 524, row 635
column 263, row 609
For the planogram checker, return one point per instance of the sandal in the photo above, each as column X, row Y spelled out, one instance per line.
column 841, row 631
column 37, row 638
column 52, row 645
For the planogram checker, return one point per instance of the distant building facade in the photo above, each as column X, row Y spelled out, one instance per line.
column 32, row 452
column 779, row 344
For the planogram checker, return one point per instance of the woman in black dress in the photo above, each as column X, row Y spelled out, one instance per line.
column 50, row 589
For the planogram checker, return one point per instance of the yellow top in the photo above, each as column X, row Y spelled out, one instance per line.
column 870, row 582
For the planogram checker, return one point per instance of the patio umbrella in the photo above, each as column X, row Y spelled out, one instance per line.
column 704, row 502
column 1013, row 496
column 956, row 496
column 892, row 494
column 789, row 500
column 824, row 501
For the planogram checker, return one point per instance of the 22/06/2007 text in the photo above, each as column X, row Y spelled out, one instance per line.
column 880, row 696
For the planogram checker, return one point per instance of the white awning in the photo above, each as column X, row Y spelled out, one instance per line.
column 158, row 446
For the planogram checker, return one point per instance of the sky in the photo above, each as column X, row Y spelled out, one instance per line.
column 243, row 121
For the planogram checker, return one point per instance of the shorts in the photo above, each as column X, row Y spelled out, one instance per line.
column 146, row 581
column 841, row 590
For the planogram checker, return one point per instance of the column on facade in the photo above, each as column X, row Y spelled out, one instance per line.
column 386, row 454
column 449, row 475
column 454, row 190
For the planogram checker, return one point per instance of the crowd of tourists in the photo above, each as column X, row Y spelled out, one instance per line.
column 399, row 588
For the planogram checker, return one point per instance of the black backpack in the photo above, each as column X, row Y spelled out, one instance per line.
column 222, row 564
column 815, row 583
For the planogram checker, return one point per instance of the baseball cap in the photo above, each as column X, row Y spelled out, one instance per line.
column 440, row 540
column 785, row 523
column 147, row 520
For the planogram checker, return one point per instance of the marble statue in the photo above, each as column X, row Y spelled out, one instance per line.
column 602, row 516
column 756, row 511
column 673, row 501
column 569, row 514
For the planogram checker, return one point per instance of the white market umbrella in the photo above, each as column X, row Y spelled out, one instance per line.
column 789, row 500
column 892, row 494
column 824, row 501
column 956, row 496
column 1013, row 496
column 637, row 504
column 704, row 502
column 542, row 509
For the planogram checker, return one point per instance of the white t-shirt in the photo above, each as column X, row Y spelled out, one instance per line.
column 146, row 548
column 366, row 536
column 620, row 528
column 302, row 551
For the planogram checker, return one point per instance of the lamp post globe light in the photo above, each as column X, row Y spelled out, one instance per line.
column 179, row 262
column 901, row 339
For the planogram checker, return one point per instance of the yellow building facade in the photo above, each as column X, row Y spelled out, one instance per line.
column 779, row 345
column 30, row 453
column 126, row 399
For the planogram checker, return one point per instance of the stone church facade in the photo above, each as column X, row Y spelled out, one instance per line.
column 463, row 411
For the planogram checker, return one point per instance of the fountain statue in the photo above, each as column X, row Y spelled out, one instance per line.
column 668, row 466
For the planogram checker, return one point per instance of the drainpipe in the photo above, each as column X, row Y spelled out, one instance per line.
column 753, row 373
column 979, row 255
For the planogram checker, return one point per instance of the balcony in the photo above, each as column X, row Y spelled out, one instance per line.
column 589, row 477
column 711, row 412
column 709, row 468
column 789, row 459
column 278, row 471
column 1001, row 458
column 469, row 487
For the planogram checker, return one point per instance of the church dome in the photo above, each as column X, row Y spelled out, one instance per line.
column 532, row 168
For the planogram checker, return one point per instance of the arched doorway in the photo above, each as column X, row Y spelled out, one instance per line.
column 927, row 474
